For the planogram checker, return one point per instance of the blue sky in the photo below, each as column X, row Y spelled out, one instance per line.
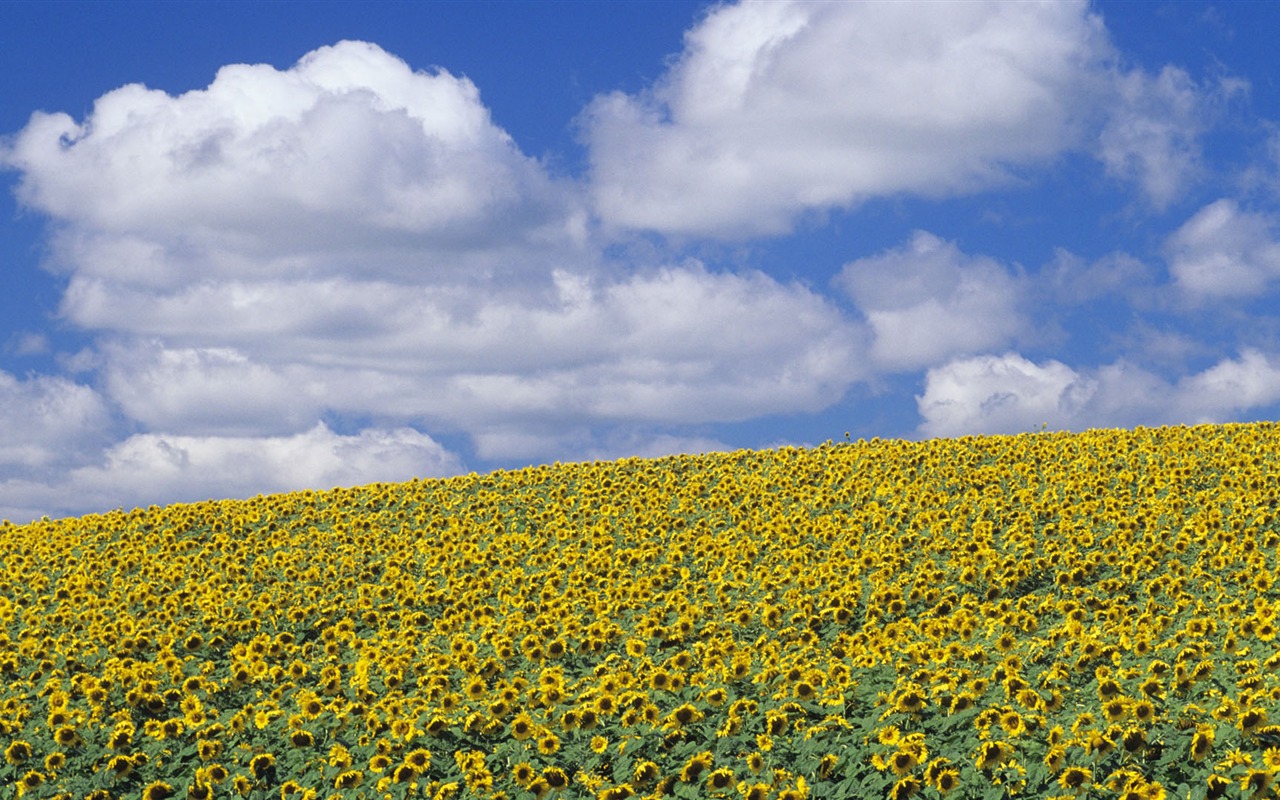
column 257, row 247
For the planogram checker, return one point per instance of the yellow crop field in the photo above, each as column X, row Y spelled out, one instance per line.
column 1044, row 615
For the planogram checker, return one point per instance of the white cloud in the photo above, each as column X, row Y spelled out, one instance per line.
column 775, row 108
column 1069, row 279
column 1232, row 385
column 1011, row 394
column 350, row 236
column 152, row 468
column 514, row 443
column 348, row 162
column 927, row 301
column 48, row 422
column 999, row 394
column 208, row 391
column 1224, row 252
column 680, row 345
column 1152, row 136
column 28, row 344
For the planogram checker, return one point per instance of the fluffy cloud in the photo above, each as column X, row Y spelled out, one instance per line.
column 775, row 108
column 350, row 236
column 999, row 394
column 348, row 162
column 1011, row 394
column 47, row 422
column 926, row 301
column 152, row 468
column 680, row 345
column 1224, row 252
column 1070, row 280
column 1232, row 385
column 1153, row 134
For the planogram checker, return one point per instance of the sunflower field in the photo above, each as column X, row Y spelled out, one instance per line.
column 1043, row 615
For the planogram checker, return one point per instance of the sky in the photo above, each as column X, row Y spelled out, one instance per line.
column 250, row 248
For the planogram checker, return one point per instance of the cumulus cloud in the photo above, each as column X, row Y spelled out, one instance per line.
column 1152, row 136
column 927, row 301
column 680, row 345
column 1070, row 279
column 776, row 108
column 999, row 394
column 154, row 468
column 1011, row 394
column 1232, row 385
column 348, row 162
column 1224, row 252
column 351, row 236
column 49, row 422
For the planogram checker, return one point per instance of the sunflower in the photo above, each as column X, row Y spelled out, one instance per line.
column 1201, row 743
column 548, row 743
column 262, row 765
column 599, row 744
column 157, row 790
column 120, row 765
column 755, row 762
column 1073, row 778
column 827, row 764
column 404, row 773
column 215, row 773
column 889, row 735
column 906, row 787
column 684, row 715
column 695, row 766
column 1012, row 723
column 349, row 779
column 66, row 736
column 947, row 780
column 1271, row 758
column 720, row 780
column 523, row 774
column 17, row 752
column 1133, row 740
column 990, row 754
column 758, row 791
column 1217, row 785
column 645, row 772
column 555, row 778
column 1256, row 781
column 910, row 701
column 1114, row 710
column 311, row 708
column 419, row 759
column 1055, row 757
column 1250, row 720
column 620, row 792
column 775, row 723
column 903, row 762
column 660, row 680
column 522, row 727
